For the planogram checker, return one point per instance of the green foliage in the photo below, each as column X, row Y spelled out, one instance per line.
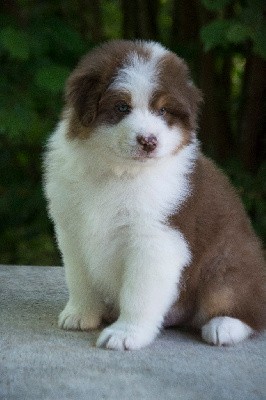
column 40, row 43
column 35, row 62
column 51, row 78
column 247, row 24
column 112, row 19
column 252, row 189
column 215, row 33
column 215, row 5
column 15, row 42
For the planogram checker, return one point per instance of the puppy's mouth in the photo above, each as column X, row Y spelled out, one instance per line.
column 144, row 156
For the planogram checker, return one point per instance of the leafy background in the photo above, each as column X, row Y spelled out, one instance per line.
column 224, row 42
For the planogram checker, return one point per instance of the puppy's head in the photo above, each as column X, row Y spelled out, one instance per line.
column 132, row 100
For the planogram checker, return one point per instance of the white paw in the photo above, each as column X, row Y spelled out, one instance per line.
column 74, row 319
column 125, row 336
column 225, row 331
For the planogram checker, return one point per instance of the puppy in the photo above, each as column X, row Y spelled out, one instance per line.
column 151, row 233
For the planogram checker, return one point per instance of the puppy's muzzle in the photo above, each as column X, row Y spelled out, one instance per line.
column 147, row 143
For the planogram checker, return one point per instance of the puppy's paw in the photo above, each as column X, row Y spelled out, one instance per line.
column 72, row 318
column 225, row 331
column 125, row 336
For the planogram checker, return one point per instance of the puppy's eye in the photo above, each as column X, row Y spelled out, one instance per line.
column 123, row 108
column 162, row 111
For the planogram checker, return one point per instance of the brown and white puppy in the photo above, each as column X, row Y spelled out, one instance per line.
column 150, row 231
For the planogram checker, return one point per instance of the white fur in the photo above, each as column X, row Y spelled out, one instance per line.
column 139, row 77
column 225, row 331
column 110, row 209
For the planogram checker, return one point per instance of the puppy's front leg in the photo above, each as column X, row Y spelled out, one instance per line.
column 150, row 286
column 84, row 308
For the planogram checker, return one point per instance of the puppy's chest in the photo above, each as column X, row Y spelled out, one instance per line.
column 114, row 214
column 109, row 215
column 109, row 211
column 113, row 207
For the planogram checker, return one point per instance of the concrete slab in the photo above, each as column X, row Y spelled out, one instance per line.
column 38, row 361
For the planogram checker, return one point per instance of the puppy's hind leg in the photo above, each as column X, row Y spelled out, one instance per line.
column 225, row 331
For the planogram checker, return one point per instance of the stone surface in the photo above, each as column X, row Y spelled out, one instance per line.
column 40, row 361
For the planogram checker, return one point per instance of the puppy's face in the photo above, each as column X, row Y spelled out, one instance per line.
column 132, row 100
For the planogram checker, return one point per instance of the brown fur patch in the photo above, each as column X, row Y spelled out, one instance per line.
column 183, row 97
column 175, row 111
column 91, row 78
column 227, row 276
column 178, row 95
column 220, row 299
column 108, row 112
column 175, row 115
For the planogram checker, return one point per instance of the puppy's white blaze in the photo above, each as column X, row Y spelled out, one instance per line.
column 139, row 76
column 139, row 82
column 158, row 51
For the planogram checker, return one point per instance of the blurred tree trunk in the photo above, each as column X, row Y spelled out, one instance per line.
column 253, row 114
column 185, row 22
column 185, row 32
column 140, row 19
column 91, row 22
column 215, row 129
column 215, row 126
column 129, row 8
column 85, row 16
column 15, row 10
column 147, row 18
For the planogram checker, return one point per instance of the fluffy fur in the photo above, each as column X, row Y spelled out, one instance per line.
column 151, row 233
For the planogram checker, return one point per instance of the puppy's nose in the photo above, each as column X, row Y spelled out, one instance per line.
column 148, row 143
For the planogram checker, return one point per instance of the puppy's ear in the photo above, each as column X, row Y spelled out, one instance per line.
column 83, row 92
